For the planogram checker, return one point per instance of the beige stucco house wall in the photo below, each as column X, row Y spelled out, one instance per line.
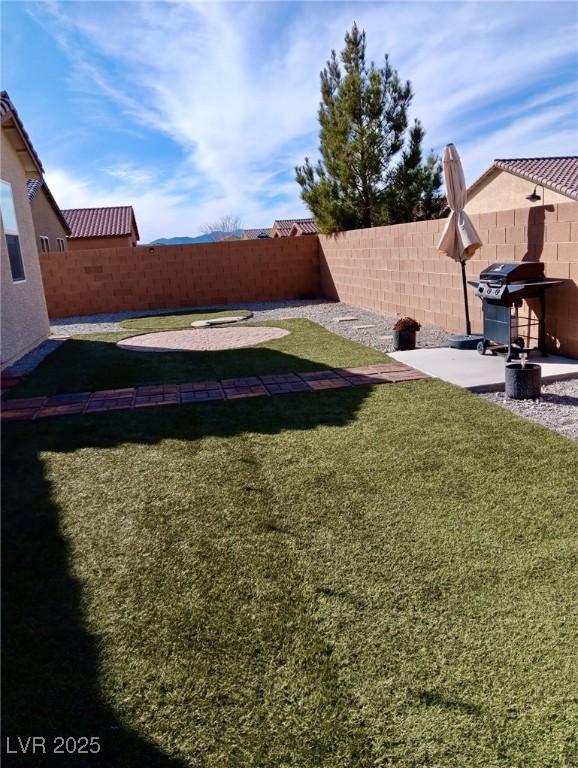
column 46, row 221
column 24, row 319
column 504, row 191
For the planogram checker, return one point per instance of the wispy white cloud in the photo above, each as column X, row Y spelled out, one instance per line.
column 236, row 87
column 129, row 173
column 532, row 132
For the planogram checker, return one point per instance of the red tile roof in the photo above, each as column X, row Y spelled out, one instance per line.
column 256, row 234
column 306, row 227
column 118, row 221
column 284, row 226
column 557, row 173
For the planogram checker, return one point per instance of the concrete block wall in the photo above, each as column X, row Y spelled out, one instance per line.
column 391, row 270
column 146, row 277
column 398, row 270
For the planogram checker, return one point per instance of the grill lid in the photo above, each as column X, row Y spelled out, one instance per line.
column 513, row 272
column 505, row 282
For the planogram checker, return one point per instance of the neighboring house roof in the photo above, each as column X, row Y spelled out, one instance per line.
column 556, row 173
column 284, row 226
column 304, row 227
column 33, row 187
column 256, row 234
column 18, row 136
column 12, row 123
column 117, row 221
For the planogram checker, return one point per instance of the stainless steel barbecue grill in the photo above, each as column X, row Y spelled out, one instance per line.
column 502, row 288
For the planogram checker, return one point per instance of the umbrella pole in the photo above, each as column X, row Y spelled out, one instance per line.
column 466, row 307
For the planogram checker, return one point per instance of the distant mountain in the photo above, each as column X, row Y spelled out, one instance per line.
column 213, row 237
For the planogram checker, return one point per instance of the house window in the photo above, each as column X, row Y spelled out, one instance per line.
column 8, row 213
column 44, row 244
column 61, row 245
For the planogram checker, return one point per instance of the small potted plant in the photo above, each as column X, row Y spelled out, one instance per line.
column 523, row 380
column 404, row 332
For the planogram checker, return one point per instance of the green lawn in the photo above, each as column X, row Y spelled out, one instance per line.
column 361, row 577
column 88, row 363
column 178, row 320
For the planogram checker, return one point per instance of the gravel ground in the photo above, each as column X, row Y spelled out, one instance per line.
column 323, row 312
column 556, row 409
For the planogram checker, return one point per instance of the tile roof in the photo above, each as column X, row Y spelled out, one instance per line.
column 306, row 226
column 7, row 113
column 116, row 221
column 557, row 173
column 284, row 226
column 33, row 187
column 256, row 234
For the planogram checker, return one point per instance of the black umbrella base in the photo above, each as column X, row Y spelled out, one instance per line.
column 463, row 341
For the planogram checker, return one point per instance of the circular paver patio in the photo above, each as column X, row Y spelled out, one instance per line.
column 201, row 340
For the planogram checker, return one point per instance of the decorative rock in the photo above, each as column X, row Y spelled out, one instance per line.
column 216, row 321
column 555, row 409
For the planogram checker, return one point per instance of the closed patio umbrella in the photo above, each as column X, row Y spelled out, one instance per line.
column 459, row 239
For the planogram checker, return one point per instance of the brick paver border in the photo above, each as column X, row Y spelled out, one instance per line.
column 26, row 409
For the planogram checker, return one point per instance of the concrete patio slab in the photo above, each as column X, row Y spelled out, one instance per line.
column 480, row 373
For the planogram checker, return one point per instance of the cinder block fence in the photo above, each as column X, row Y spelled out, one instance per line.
column 398, row 269
column 395, row 270
column 153, row 277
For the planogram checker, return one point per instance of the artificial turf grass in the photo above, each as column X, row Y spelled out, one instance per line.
column 369, row 577
column 92, row 362
column 178, row 320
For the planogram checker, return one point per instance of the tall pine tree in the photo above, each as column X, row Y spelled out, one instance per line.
column 371, row 171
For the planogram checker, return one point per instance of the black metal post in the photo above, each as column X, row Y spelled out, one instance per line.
column 466, row 307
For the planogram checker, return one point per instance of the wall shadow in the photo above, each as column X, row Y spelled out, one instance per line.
column 51, row 659
column 536, row 227
column 565, row 295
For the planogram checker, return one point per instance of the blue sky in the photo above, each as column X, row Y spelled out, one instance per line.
column 189, row 110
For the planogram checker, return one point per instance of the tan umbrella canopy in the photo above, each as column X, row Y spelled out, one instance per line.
column 459, row 239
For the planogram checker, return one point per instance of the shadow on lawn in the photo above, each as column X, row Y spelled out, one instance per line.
column 81, row 365
column 51, row 659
